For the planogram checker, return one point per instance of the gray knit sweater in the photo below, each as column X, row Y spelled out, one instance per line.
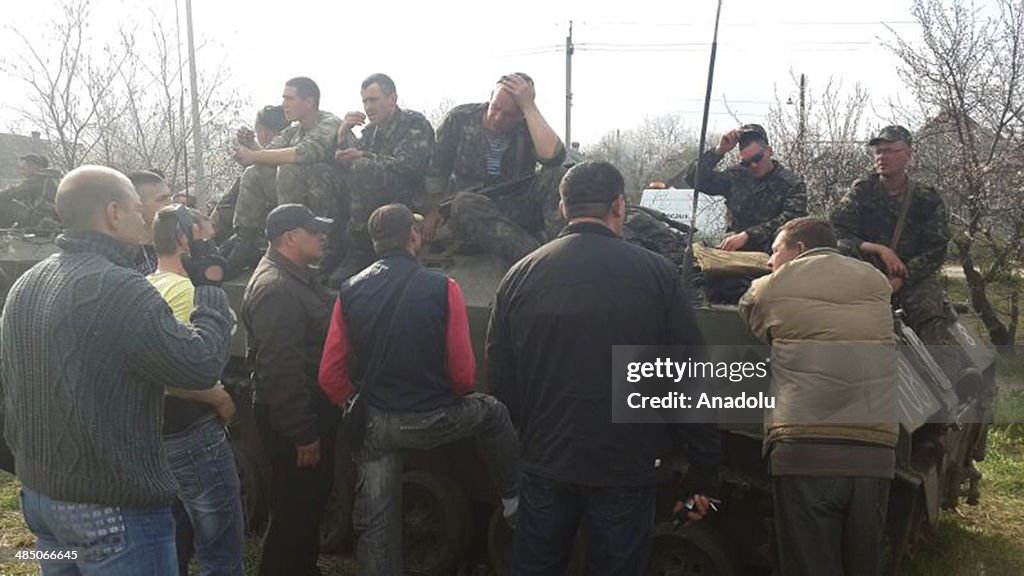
column 87, row 346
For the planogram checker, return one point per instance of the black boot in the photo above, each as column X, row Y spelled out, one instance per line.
column 242, row 251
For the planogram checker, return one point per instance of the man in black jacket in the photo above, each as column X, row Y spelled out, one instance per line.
column 286, row 313
column 557, row 315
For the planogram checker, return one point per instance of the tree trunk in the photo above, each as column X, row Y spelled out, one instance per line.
column 997, row 331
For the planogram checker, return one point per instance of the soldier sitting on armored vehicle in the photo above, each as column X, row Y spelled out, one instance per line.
column 484, row 167
column 31, row 202
column 901, row 225
column 296, row 167
column 388, row 163
column 270, row 121
column 760, row 195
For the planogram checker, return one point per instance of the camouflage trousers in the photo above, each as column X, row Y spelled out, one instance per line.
column 263, row 188
column 927, row 311
column 514, row 223
column 364, row 188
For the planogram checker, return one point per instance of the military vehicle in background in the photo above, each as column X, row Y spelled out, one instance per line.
column 452, row 523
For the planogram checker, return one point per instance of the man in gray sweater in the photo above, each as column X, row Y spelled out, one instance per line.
column 87, row 348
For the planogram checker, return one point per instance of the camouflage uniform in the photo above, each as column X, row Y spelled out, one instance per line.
column 312, row 181
column 392, row 169
column 757, row 206
column 522, row 208
column 868, row 213
column 33, row 200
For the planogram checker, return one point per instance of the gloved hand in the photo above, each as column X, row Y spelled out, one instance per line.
column 204, row 263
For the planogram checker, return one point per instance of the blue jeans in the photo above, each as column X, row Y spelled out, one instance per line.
column 377, row 517
column 111, row 540
column 618, row 524
column 204, row 466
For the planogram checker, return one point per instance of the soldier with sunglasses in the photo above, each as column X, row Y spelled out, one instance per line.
column 760, row 193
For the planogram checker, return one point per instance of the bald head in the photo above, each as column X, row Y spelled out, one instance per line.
column 85, row 193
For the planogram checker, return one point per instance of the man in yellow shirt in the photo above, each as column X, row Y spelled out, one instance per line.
column 208, row 513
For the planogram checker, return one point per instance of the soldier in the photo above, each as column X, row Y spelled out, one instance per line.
column 486, row 155
column 387, row 164
column 296, row 167
column 760, row 195
column 901, row 225
column 32, row 201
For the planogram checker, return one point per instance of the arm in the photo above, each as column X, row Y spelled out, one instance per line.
column 501, row 361
column 276, row 323
column 460, row 362
column 216, row 397
column 172, row 354
column 753, row 314
column 712, row 182
column 546, row 144
column 267, row 157
column 845, row 218
column 333, row 377
column 411, row 155
column 794, row 205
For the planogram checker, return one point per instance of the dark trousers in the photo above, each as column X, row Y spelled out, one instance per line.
column 618, row 525
column 298, row 498
column 830, row 524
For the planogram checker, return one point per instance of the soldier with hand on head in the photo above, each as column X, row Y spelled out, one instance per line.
column 485, row 165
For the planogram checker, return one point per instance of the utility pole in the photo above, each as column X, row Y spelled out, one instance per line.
column 197, row 132
column 568, row 86
column 802, row 125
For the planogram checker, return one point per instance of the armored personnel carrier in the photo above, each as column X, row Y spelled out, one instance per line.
column 451, row 519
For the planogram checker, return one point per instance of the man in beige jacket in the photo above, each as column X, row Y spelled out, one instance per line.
column 830, row 438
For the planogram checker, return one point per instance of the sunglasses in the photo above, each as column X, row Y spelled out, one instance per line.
column 752, row 160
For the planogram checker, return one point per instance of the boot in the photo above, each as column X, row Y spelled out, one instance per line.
column 242, row 251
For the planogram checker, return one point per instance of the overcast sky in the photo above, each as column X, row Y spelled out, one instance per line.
column 633, row 59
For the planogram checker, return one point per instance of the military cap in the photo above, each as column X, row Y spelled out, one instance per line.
column 892, row 133
column 750, row 131
column 287, row 217
column 36, row 159
column 389, row 226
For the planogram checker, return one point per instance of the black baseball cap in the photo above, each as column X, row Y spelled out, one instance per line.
column 893, row 133
column 288, row 217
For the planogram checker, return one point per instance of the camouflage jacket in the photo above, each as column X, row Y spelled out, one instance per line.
column 757, row 206
column 316, row 145
column 460, row 156
column 399, row 152
column 31, row 200
column 868, row 213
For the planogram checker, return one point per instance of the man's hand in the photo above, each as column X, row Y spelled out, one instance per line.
column 521, row 91
column 246, row 138
column 205, row 265
column 350, row 121
column 734, row 242
column 430, row 223
column 244, row 156
column 347, row 156
column 224, row 405
column 728, row 141
column 694, row 512
column 896, row 282
column 893, row 265
column 308, row 456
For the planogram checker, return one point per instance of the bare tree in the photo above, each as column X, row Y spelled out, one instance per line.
column 120, row 102
column 967, row 76
column 822, row 140
column 437, row 114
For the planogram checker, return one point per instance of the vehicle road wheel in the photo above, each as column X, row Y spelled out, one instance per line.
column 696, row 549
column 436, row 523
